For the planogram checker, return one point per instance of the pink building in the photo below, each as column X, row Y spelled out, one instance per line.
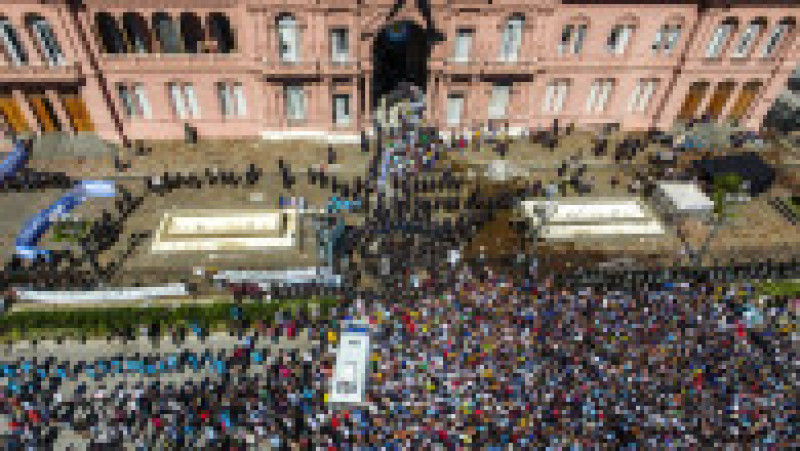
column 143, row 69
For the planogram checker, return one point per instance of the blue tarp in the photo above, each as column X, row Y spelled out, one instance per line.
column 15, row 160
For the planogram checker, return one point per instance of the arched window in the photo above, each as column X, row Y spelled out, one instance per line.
column 749, row 36
column 694, row 97
column 110, row 36
column 14, row 50
column 748, row 94
column 512, row 38
column 192, row 31
column 784, row 28
column 221, row 31
column 136, row 29
column 721, row 36
column 288, row 38
column 167, row 33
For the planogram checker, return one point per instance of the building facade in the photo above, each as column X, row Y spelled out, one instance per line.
column 144, row 69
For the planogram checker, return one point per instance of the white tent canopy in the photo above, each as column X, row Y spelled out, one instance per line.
column 682, row 198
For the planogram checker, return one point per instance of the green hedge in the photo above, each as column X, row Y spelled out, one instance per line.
column 98, row 321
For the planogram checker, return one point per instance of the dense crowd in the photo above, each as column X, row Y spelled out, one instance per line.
column 491, row 360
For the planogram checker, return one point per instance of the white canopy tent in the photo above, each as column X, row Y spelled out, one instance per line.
column 682, row 199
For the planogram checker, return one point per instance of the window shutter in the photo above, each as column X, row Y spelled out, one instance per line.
column 549, row 97
column 590, row 101
column 224, row 96
column 241, row 103
column 127, row 101
column 563, row 87
column 191, row 100
column 141, row 97
column 177, row 100
column 566, row 35
column 578, row 44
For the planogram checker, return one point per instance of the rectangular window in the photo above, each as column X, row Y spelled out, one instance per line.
column 126, row 97
column 184, row 101
column 463, row 44
column 512, row 38
column 749, row 35
column 288, row 37
column 718, row 40
column 598, row 96
column 498, row 106
column 774, row 39
column 555, row 95
column 339, row 46
column 191, row 100
column 239, row 98
column 178, row 102
column 455, row 105
column 295, row 101
column 134, row 100
column 618, row 39
column 673, row 35
column 48, row 43
column 13, row 48
column 341, row 109
column 141, row 99
column 640, row 99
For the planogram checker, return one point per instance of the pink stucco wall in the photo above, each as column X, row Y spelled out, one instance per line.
column 256, row 65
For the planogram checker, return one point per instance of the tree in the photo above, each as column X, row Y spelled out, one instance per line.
column 725, row 184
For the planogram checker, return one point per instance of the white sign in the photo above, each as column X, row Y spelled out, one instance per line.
column 348, row 384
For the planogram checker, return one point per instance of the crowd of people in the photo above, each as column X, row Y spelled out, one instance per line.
column 492, row 360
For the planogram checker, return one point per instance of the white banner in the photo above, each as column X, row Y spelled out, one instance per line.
column 101, row 296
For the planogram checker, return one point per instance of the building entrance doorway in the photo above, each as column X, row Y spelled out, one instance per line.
column 400, row 54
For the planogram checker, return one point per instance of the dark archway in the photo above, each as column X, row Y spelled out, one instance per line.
column 399, row 54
